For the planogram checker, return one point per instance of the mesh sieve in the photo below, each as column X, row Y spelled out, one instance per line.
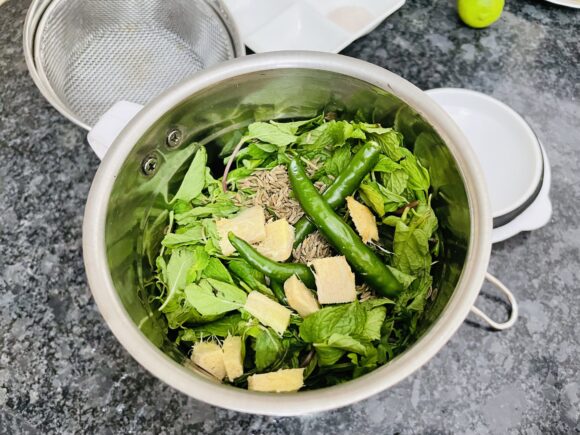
column 93, row 53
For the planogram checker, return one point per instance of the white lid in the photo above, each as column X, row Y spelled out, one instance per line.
column 509, row 153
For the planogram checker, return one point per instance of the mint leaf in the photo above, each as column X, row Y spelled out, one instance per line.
column 218, row 328
column 327, row 355
column 411, row 242
column 217, row 210
column 338, row 161
column 210, row 302
column 270, row 133
column 268, row 348
column 390, row 143
column 375, row 319
column 345, row 342
column 403, row 279
column 386, row 164
column 396, row 181
column 194, row 180
column 372, row 197
column 293, row 126
column 216, row 270
column 180, row 262
column 418, row 175
column 189, row 237
column 347, row 319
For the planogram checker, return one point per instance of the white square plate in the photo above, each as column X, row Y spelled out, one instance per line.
column 320, row 25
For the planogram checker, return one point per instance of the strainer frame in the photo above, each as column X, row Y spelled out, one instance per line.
column 33, row 26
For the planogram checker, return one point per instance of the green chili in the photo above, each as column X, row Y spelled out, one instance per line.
column 250, row 276
column 339, row 234
column 344, row 185
column 275, row 271
column 278, row 290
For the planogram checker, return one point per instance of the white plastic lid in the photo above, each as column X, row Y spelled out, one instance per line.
column 508, row 151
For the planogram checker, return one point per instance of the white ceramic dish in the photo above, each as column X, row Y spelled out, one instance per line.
column 514, row 163
column 317, row 25
column 568, row 3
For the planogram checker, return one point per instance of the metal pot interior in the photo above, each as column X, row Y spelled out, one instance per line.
column 137, row 216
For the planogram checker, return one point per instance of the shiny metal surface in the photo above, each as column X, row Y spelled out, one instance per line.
column 125, row 215
column 86, row 55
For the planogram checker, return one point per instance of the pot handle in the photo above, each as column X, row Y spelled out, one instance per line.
column 111, row 123
column 512, row 301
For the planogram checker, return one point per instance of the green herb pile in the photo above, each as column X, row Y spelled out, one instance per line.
column 202, row 292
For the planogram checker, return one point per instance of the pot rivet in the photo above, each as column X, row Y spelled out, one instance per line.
column 149, row 165
column 174, row 138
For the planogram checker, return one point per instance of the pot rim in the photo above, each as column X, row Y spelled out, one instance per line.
column 200, row 388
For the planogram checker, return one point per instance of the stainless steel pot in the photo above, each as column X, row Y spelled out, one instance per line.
column 125, row 214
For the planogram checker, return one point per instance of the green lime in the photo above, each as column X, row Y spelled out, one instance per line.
column 479, row 13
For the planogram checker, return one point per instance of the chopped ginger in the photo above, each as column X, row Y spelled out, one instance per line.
column 300, row 297
column 285, row 380
column 334, row 280
column 249, row 225
column 278, row 242
column 210, row 357
column 268, row 312
column 364, row 220
column 233, row 362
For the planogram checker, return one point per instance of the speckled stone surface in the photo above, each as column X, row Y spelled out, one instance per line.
column 61, row 370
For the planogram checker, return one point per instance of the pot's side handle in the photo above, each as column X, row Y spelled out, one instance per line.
column 108, row 127
column 512, row 300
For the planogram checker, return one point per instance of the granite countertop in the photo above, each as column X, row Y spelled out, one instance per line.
column 62, row 371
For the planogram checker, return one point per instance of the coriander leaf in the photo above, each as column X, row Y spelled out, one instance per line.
column 179, row 264
column 347, row 319
column 270, row 133
column 210, row 303
column 194, row 180
column 327, row 355
column 375, row 319
column 189, row 237
column 268, row 348
column 348, row 343
column 218, row 328
column 216, row 270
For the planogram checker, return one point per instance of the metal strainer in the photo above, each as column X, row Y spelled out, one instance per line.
column 89, row 54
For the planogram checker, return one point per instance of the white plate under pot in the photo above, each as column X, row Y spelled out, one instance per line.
column 315, row 25
column 514, row 163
